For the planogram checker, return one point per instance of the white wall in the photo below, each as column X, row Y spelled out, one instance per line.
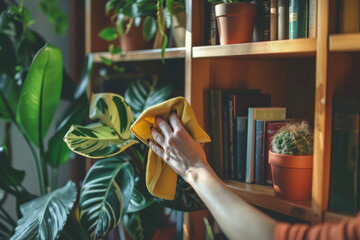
column 22, row 158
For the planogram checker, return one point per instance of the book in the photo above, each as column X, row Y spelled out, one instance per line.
column 262, row 21
column 283, row 19
column 312, row 18
column 264, row 131
column 349, row 16
column 298, row 18
column 216, row 159
column 345, row 156
column 273, row 20
column 241, row 143
column 269, row 113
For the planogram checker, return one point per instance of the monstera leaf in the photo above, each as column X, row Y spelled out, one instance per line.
column 146, row 92
column 143, row 224
column 105, row 194
column 40, row 94
column 44, row 217
column 107, row 138
column 9, row 95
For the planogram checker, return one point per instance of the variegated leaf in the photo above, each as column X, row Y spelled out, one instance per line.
column 105, row 194
column 112, row 110
column 45, row 217
column 146, row 92
column 96, row 141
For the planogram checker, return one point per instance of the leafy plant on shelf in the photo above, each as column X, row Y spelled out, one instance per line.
column 229, row 1
column 153, row 14
column 31, row 79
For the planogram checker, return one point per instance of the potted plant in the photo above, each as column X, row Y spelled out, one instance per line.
column 178, row 20
column 235, row 20
column 291, row 161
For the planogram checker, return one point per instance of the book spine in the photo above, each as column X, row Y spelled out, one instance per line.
column 249, row 176
column 344, row 178
column 283, row 19
column 232, row 163
column 213, row 27
column 226, row 138
column 273, row 20
column 312, row 18
column 298, row 19
column 216, row 161
column 258, row 33
column 241, row 142
column 266, row 6
column 259, row 172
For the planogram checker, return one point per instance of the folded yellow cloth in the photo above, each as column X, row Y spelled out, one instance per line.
column 160, row 178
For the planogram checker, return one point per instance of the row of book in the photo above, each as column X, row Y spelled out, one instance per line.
column 242, row 125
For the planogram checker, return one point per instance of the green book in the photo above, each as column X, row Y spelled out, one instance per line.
column 298, row 18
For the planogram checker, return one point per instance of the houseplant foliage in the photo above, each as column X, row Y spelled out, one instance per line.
column 31, row 79
column 291, row 161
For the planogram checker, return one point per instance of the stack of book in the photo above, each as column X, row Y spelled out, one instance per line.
column 242, row 123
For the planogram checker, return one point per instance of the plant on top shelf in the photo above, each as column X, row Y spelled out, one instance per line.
column 291, row 161
column 137, row 24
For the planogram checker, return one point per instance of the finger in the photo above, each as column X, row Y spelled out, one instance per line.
column 157, row 136
column 157, row 149
column 164, row 126
column 175, row 121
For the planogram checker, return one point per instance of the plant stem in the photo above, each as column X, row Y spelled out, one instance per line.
column 36, row 160
column 42, row 162
column 54, row 178
column 9, row 219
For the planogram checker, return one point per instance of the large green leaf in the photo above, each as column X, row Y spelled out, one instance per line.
column 143, row 224
column 112, row 110
column 41, row 93
column 108, row 34
column 96, row 141
column 149, row 28
column 104, row 195
column 140, row 197
column 7, row 55
column 58, row 153
column 146, row 92
column 85, row 76
column 8, row 175
column 44, row 217
column 9, row 96
column 29, row 45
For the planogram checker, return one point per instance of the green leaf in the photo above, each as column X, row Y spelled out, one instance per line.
column 112, row 110
column 208, row 229
column 30, row 44
column 44, row 217
column 163, row 47
column 108, row 34
column 140, row 197
column 133, row 10
column 9, row 96
column 146, row 92
column 106, row 61
column 104, row 195
column 40, row 94
column 149, row 28
column 96, row 141
column 28, row 21
column 143, row 224
column 8, row 175
column 114, row 49
column 169, row 5
column 58, row 153
column 85, row 77
column 7, row 55
column 167, row 18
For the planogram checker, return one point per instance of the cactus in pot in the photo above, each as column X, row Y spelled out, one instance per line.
column 291, row 161
column 293, row 139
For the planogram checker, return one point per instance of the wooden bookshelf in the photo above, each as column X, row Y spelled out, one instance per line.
column 141, row 55
column 264, row 196
column 344, row 42
column 335, row 217
column 296, row 47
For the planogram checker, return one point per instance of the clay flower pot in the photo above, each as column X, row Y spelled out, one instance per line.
column 134, row 39
column 235, row 22
column 292, row 175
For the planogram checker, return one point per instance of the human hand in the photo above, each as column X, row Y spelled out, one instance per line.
column 177, row 147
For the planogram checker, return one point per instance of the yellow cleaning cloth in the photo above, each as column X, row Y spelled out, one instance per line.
column 160, row 178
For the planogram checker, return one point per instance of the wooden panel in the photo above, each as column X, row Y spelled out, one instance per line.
column 141, row 55
column 297, row 47
column 345, row 42
column 264, row 196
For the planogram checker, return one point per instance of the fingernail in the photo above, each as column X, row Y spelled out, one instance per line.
column 148, row 141
column 173, row 111
column 151, row 128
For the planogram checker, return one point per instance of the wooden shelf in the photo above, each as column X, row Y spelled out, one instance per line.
column 344, row 42
column 264, row 196
column 335, row 217
column 141, row 55
column 296, row 47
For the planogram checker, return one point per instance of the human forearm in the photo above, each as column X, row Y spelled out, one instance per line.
column 236, row 218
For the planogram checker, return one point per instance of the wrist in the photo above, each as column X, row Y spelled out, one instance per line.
column 194, row 173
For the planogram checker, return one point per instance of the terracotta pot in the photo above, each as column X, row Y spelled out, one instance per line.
column 292, row 175
column 134, row 39
column 235, row 22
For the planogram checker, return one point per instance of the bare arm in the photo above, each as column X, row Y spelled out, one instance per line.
column 236, row 218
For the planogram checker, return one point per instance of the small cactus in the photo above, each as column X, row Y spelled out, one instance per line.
column 293, row 139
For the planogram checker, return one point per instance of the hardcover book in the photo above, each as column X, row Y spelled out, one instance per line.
column 273, row 20
column 312, row 18
column 241, row 143
column 344, row 174
column 269, row 113
column 283, row 19
column 262, row 21
column 298, row 18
